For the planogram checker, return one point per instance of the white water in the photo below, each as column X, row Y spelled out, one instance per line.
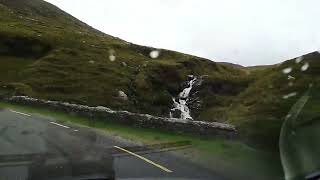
column 181, row 103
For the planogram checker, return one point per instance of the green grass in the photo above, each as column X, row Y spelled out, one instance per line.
column 11, row 67
column 230, row 158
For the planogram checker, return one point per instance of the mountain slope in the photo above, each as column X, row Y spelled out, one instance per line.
column 46, row 53
column 260, row 110
column 64, row 59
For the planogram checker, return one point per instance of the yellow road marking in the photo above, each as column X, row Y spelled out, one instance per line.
column 145, row 159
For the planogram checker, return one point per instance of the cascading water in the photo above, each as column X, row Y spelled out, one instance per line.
column 180, row 104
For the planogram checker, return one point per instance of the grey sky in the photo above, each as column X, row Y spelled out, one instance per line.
column 247, row 32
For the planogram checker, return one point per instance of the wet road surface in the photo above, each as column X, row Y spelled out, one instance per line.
column 34, row 147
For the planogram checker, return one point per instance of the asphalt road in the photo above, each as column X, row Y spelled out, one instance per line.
column 33, row 147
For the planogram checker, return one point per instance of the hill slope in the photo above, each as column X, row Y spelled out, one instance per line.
column 46, row 53
column 64, row 59
column 260, row 110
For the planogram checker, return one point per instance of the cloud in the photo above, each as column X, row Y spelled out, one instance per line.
column 247, row 32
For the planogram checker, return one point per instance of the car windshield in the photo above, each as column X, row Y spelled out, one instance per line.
column 159, row 89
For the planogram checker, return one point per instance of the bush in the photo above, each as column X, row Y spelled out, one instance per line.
column 20, row 89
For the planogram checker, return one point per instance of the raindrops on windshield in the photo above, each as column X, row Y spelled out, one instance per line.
column 154, row 54
column 287, row 70
column 305, row 67
column 299, row 59
column 91, row 62
column 112, row 57
column 289, row 95
column 291, row 77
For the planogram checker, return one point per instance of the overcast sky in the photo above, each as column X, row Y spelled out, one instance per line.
column 246, row 32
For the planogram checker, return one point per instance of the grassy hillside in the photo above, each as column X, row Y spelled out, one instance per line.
column 51, row 55
column 46, row 53
column 260, row 110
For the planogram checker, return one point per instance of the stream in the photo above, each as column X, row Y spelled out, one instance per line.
column 180, row 104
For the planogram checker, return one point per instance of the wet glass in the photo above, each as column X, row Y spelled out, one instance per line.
column 300, row 137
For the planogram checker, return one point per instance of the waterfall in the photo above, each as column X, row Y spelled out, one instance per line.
column 180, row 104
